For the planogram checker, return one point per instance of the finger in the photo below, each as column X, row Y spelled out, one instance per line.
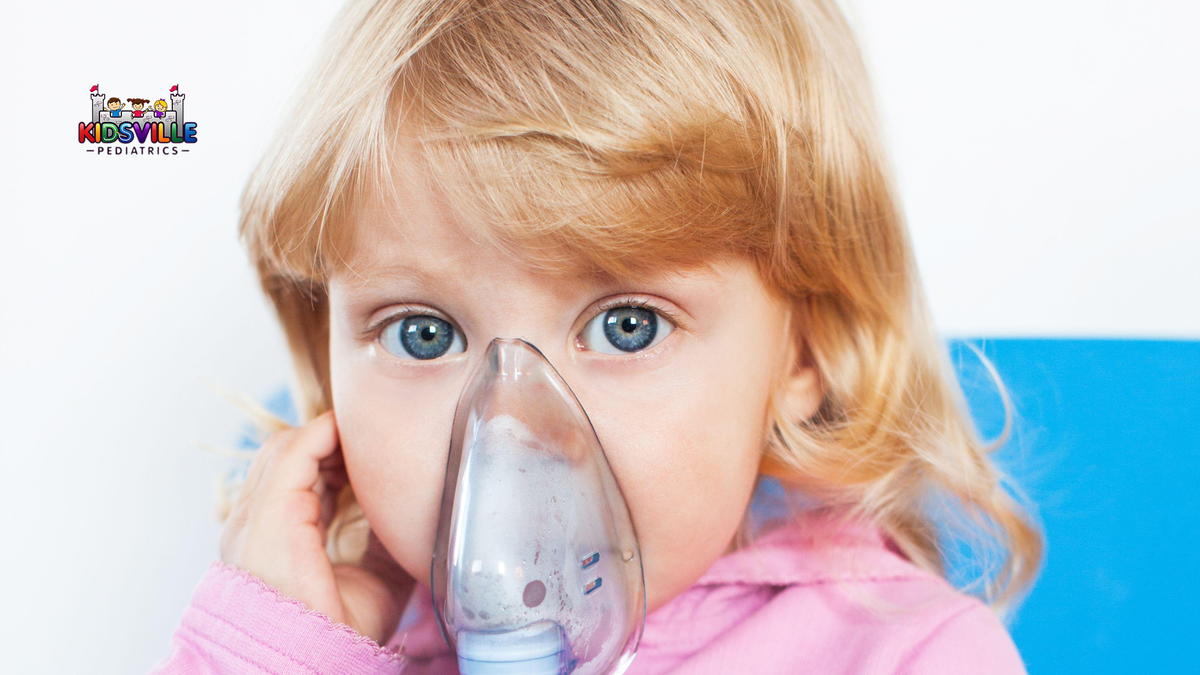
column 260, row 462
column 296, row 464
column 334, row 461
column 333, row 464
column 330, row 483
column 265, row 454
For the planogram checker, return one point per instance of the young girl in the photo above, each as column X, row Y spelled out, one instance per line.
column 782, row 418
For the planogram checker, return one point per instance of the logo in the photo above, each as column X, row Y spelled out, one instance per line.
column 145, row 127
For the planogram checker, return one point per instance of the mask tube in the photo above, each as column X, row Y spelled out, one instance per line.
column 536, row 566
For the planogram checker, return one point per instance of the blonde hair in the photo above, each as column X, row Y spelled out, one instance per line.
column 164, row 104
column 627, row 135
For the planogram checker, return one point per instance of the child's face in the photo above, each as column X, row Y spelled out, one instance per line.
column 113, row 105
column 682, row 422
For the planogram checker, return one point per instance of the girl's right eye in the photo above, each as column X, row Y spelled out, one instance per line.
column 420, row 336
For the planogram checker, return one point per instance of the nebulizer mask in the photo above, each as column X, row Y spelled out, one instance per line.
column 536, row 567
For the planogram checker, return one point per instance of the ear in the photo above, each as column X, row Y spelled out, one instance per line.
column 798, row 391
column 801, row 390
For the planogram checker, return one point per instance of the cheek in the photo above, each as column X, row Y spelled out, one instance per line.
column 395, row 436
column 686, row 469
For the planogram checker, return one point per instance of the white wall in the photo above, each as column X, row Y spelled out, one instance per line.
column 1049, row 159
column 1047, row 154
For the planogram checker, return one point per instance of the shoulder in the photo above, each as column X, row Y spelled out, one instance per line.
column 880, row 612
column 970, row 639
column 910, row 623
column 833, row 596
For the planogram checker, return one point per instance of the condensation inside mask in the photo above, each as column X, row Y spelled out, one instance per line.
column 536, row 566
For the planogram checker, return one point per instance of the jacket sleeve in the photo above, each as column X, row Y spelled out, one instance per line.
column 237, row 623
column 972, row 640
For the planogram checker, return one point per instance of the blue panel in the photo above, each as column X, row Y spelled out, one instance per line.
column 280, row 403
column 1107, row 444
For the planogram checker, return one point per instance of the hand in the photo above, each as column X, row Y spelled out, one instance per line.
column 277, row 530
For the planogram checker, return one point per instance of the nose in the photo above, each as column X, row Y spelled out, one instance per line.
column 517, row 356
column 516, row 361
column 513, row 356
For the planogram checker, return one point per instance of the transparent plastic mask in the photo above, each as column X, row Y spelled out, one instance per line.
column 536, row 567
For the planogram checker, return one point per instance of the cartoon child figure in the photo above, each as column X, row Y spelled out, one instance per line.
column 160, row 108
column 139, row 105
column 114, row 107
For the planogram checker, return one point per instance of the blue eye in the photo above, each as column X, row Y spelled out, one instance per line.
column 420, row 337
column 627, row 328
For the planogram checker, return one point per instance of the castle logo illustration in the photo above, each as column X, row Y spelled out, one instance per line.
column 144, row 128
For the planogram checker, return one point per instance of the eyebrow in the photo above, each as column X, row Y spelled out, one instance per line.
column 373, row 276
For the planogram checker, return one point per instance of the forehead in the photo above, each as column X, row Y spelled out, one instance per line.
column 426, row 248
column 407, row 221
column 408, row 225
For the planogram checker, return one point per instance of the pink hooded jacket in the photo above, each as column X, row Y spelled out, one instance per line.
column 798, row 599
